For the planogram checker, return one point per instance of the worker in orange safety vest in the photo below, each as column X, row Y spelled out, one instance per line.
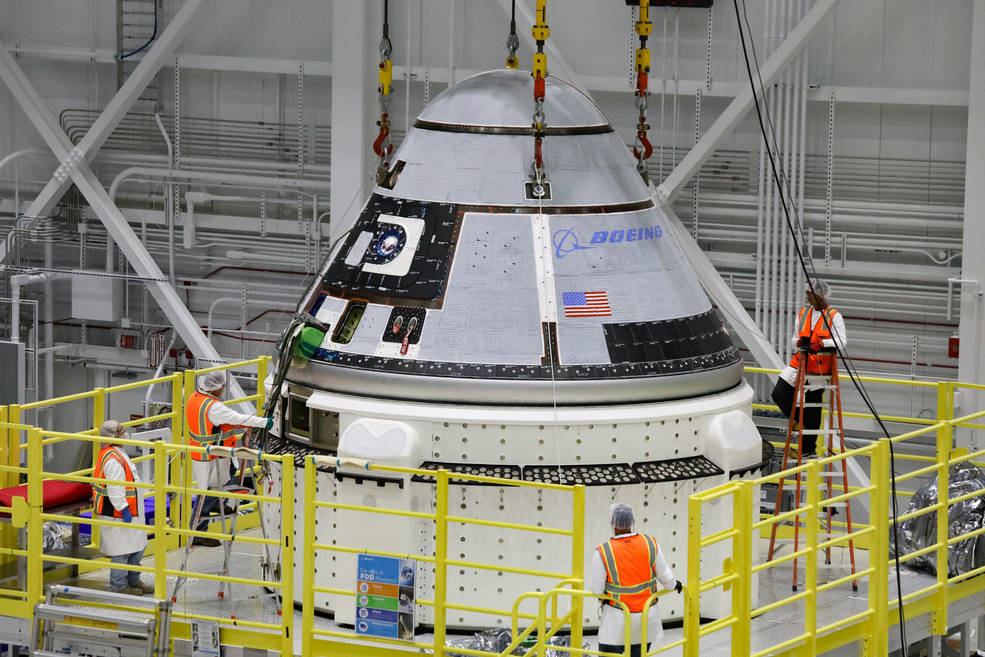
column 209, row 422
column 819, row 327
column 628, row 567
column 122, row 503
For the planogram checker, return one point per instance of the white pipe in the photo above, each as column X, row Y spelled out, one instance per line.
column 451, row 42
column 157, row 373
column 17, row 281
column 197, row 198
column 273, row 304
column 49, row 330
column 233, row 179
column 16, row 155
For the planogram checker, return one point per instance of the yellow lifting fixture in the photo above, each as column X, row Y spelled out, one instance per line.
column 540, row 33
column 382, row 146
column 642, row 148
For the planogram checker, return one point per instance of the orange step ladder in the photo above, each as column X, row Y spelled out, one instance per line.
column 835, row 428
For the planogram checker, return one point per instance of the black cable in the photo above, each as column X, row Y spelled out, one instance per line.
column 852, row 374
column 386, row 19
column 149, row 41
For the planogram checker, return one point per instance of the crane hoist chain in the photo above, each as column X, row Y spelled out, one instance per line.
column 382, row 145
column 540, row 32
column 512, row 42
column 642, row 148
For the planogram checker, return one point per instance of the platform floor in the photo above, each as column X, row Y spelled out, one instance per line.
column 249, row 604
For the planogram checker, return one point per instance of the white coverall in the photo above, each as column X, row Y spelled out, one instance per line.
column 215, row 473
column 612, row 628
column 114, row 541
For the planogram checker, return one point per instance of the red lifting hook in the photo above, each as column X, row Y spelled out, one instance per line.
column 647, row 146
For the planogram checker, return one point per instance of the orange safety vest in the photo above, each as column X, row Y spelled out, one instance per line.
column 100, row 496
column 816, row 363
column 630, row 569
column 201, row 431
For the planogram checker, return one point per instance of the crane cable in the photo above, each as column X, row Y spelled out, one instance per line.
column 642, row 148
column 382, row 146
column 807, row 266
column 540, row 32
column 512, row 42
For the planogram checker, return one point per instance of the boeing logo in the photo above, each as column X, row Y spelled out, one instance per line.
column 628, row 235
column 566, row 241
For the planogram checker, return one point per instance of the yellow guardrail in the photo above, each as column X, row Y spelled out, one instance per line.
column 870, row 627
column 556, row 609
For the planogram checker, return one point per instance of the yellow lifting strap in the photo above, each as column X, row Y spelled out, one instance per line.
column 540, row 32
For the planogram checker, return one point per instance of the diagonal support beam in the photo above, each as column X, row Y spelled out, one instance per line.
column 116, row 224
column 556, row 61
column 737, row 317
column 743, row 102
column 160, row 52
column 722, row 295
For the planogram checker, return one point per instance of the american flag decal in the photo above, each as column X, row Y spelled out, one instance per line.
column 586, row 304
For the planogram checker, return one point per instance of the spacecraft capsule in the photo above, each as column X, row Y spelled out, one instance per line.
column 485, row 326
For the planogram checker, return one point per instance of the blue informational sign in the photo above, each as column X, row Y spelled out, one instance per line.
column 385, row 596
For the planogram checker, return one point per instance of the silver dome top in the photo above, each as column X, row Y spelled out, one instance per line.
column 504, row 98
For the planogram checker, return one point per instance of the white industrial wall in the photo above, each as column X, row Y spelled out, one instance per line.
column 897, row 69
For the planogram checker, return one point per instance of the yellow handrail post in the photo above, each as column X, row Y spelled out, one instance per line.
column 98, row 417
column 944, row 447
column 440, row 559
column 177, row 431
column 308, row 602
column 261, row 390
column 810, row 566
column 8, row 537
column 184, row 470
column 4, row 447
column 161, row 534
column 742, row 506
column 692, row 594
column 877, row 642
column 577, row 561
column 35, row 565
column 287, row 554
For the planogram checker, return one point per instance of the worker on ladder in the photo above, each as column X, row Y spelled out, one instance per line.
column 819, row 327
column 212, row 423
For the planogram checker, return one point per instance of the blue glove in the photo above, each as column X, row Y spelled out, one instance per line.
column 270, row 423
column 127, row 515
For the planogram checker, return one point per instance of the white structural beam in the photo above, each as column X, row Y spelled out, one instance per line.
column 354, row 111
column 117, row 108
column 594, row 83
column 971, row 360
column 723, row 296
column 555, row 60
column 738, row 108
column 81, row 174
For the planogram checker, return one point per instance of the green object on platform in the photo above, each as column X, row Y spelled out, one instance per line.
column 308, row 342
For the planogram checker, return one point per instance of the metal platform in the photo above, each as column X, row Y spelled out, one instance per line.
column 199, row 597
